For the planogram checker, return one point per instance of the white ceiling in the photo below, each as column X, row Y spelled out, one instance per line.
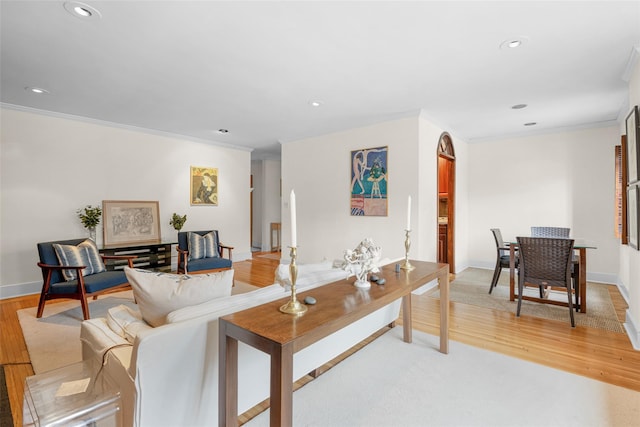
column 192, row 67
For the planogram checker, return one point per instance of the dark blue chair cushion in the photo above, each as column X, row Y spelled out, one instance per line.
column 93, row 283
column 208, row 264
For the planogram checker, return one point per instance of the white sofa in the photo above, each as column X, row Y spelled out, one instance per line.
column 169, row 374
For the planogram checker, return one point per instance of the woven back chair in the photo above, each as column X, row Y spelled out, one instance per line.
column 502, row 257
column 562, row 232
column 550, row 232
column 545, row 261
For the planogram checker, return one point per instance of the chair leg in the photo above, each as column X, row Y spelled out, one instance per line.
column 520, row 289
column 43, row 294
column 41, row 305
column 570, row 297
column 496, row 276
column 85, row 308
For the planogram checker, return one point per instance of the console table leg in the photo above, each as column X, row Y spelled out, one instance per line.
column 228, row 380
column 443, row 282
column 281, row 404
column 406, row 318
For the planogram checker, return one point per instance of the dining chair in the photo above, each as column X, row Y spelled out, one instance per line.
column 562, row 232
column 550, row 232
column 545, row 261
column 502, row 257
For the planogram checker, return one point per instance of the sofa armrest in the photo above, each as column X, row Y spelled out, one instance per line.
column 97, row 338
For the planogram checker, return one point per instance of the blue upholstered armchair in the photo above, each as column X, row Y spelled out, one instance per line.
column 74, row 269
column 202, row 252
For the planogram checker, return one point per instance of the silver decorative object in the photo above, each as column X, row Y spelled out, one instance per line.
column 361, row 261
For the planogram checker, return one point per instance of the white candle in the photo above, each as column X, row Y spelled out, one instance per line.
column 409, row 213
column 292, row 202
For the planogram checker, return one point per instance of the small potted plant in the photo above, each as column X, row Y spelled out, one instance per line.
column 177, row 221
column 90, row 218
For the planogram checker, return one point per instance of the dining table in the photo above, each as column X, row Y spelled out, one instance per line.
column 580, row 246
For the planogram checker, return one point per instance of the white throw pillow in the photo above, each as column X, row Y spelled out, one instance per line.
column 126, row 322
column 158, row 294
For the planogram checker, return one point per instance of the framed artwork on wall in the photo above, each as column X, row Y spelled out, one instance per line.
column 369, row 175
column 633, row 145
column 204, row 186
column 633, row 209
column 127, row 222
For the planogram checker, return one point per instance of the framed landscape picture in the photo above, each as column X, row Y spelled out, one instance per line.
column 633, row 197
column 633, row 145
column 204, row 186
column 369, row 175
column 127, row 222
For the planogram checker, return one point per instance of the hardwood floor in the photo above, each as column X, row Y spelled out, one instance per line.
column 593, row 353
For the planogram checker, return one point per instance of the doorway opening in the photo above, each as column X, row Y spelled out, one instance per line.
column 446, row 201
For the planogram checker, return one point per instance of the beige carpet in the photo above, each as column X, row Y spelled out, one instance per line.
column 472, row 287
column 53, row 340
column 392, row 383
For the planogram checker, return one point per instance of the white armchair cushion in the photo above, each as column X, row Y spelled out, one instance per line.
column 126, row 322
column 158, row 294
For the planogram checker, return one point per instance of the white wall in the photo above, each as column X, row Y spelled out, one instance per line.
column 318, row 169
column 562, row 179
column 629, row 257
column 52, row 166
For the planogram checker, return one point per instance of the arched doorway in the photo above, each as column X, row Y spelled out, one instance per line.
column 446, row 201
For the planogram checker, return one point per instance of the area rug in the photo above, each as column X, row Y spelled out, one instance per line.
column 392, row 383
column 53, row 340
column 6, row 419
column 472, row 287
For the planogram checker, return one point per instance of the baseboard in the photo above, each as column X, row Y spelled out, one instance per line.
column 632, row 331
column 20, row 289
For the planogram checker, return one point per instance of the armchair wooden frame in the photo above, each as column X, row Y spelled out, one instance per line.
column 81, row 293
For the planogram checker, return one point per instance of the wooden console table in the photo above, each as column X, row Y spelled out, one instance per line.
column 281, row 335
column 153, row 256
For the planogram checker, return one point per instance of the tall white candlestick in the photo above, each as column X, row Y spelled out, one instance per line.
column 292, row 202
column 409, row 213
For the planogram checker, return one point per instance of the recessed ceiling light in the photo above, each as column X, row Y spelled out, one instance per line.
column 82, row 10
column 513, row 42
column 315, row 103
column 519, row 106
column 531, row 124
column 223, row 131
column 37, row 90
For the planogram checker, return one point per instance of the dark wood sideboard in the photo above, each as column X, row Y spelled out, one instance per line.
column 151, row 256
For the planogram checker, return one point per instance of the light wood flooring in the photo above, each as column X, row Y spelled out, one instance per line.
column 590, row 352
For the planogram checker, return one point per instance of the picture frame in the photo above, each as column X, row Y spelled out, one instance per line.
column 203, row 186
column 128, row 222
column 633, row 210
column 369, row 178
column 633, row 145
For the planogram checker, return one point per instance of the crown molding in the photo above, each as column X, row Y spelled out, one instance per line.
column 120, row 126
